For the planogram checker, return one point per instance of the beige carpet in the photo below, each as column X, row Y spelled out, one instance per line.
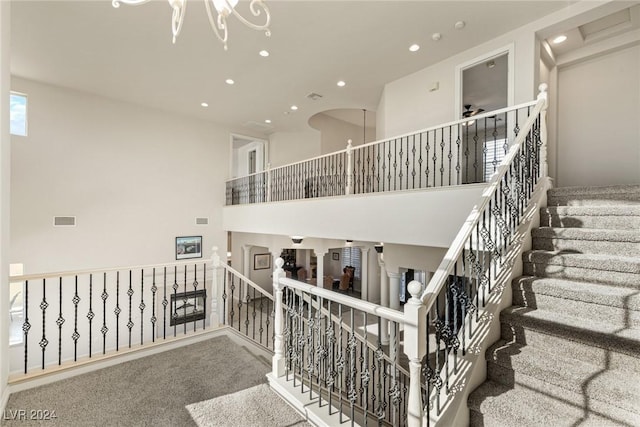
column 255, row 406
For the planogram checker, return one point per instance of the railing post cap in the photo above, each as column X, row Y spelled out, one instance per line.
column 214, row 249
column 279, row 262
column 415, row 288
column 543, row 87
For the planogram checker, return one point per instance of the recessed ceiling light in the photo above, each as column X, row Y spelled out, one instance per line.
column 229, row 81
column 559, row 39
column 204, row 104
column 267, row 121
column 341, row 83
column 294, row 107
column 460, row 25
column 436, row 36
column 414, row 47
column 264, row 53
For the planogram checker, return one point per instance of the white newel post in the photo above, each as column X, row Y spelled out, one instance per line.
column 415, row 347
column 543, row 129
column 217, row 286
column 349, row 188
column 268, row 182
column 394, row 303
column 278, row 324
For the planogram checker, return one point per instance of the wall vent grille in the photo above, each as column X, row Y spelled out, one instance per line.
column 64, row 221
column 202, row 221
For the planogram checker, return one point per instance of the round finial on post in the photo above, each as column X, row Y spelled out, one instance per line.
column 415, row 288
column 543, row 87
column 279, row 263
column 349, row 144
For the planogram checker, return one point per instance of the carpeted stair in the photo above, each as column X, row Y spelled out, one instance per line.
column 569, row 354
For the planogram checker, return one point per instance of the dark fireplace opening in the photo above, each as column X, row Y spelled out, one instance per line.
column 188, row 307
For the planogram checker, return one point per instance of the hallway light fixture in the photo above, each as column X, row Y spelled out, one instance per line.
column 224, row 9
column 296, row 240
column 379, row 248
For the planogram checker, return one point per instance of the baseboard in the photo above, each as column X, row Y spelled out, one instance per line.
column 5, row 397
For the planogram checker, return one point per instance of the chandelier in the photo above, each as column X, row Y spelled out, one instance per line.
column 224, row 8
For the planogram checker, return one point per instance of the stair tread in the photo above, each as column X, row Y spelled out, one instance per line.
column 580, row 329
column 593, row 234
column 603, row 262
column 624, row 210
column 525, row 406
column 593, row 190
column 594, row 293
column 617, row 387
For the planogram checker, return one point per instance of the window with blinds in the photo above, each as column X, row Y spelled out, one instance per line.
column 352, row 257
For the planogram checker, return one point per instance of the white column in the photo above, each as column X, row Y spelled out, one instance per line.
column 364, row 273
column 394, row 290
column 384, row 299
column 394, row 302
column 246, row 267
column 415, row 347
column 319, row 267
column 5, row 189
column 217, row 286
column 278, row 324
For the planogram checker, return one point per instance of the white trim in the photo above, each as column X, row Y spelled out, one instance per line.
column 5, row 397
column 265, row 155
column 510, row 51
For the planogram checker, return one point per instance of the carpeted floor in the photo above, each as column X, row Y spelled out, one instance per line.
column 257, row 405
column 151, row 391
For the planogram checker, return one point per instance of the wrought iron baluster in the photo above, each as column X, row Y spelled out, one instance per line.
column 153, row 319
column 75, row 336
column 458, row 166
column 204, row 281
column 184, row 302
column 117, row 310
column 174, row 303
column 142, row 306
column 90, row 314
column 104, row 297
column 25, row 324
column 195, row 291
column 165, row 303
column 450, row 155
column 130, row 294
column 60, row 320
column 395, row 164
column 253, row 315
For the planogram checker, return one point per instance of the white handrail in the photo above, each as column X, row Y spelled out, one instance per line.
column 246, row 280
column 365, row 306
column 440, row 277
column 38, row 276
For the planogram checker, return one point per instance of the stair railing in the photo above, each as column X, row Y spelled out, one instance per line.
column 242, row 304
column 461, row 152
column 330, row 346
column 476, row 262
column 71, row 317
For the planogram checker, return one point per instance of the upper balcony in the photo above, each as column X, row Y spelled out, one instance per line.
column 416, row 188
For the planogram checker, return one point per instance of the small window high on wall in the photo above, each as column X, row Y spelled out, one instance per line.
column 18, row 114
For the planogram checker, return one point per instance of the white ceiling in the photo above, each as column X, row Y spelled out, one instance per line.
column 127, row 53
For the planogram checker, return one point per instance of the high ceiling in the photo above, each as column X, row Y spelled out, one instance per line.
column 127, row 53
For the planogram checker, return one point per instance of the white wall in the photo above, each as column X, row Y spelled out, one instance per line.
column 5, row 177
column 290, row 147
column 599, row 120
column 422, row 217
column 135, row 178
column 262, row 278
column 335, row 133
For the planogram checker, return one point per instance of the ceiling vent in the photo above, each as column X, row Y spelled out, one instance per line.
column 314, row 96
column 64, row 221
column 202, row 221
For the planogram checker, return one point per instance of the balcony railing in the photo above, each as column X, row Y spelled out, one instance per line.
column 461, row 152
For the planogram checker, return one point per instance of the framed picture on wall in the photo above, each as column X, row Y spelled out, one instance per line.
column 261, row 261
column 335, row 256
column 188, row 247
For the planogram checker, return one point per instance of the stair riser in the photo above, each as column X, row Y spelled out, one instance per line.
column 630, row 280
column 601, row 313
column 594, row 200
column 522, row 375
column 629, row 249
column 569, row 347
column 601, row 222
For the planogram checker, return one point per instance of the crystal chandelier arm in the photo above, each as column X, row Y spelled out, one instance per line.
column 256, row 7
column 179, row 9
column 214, row 25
